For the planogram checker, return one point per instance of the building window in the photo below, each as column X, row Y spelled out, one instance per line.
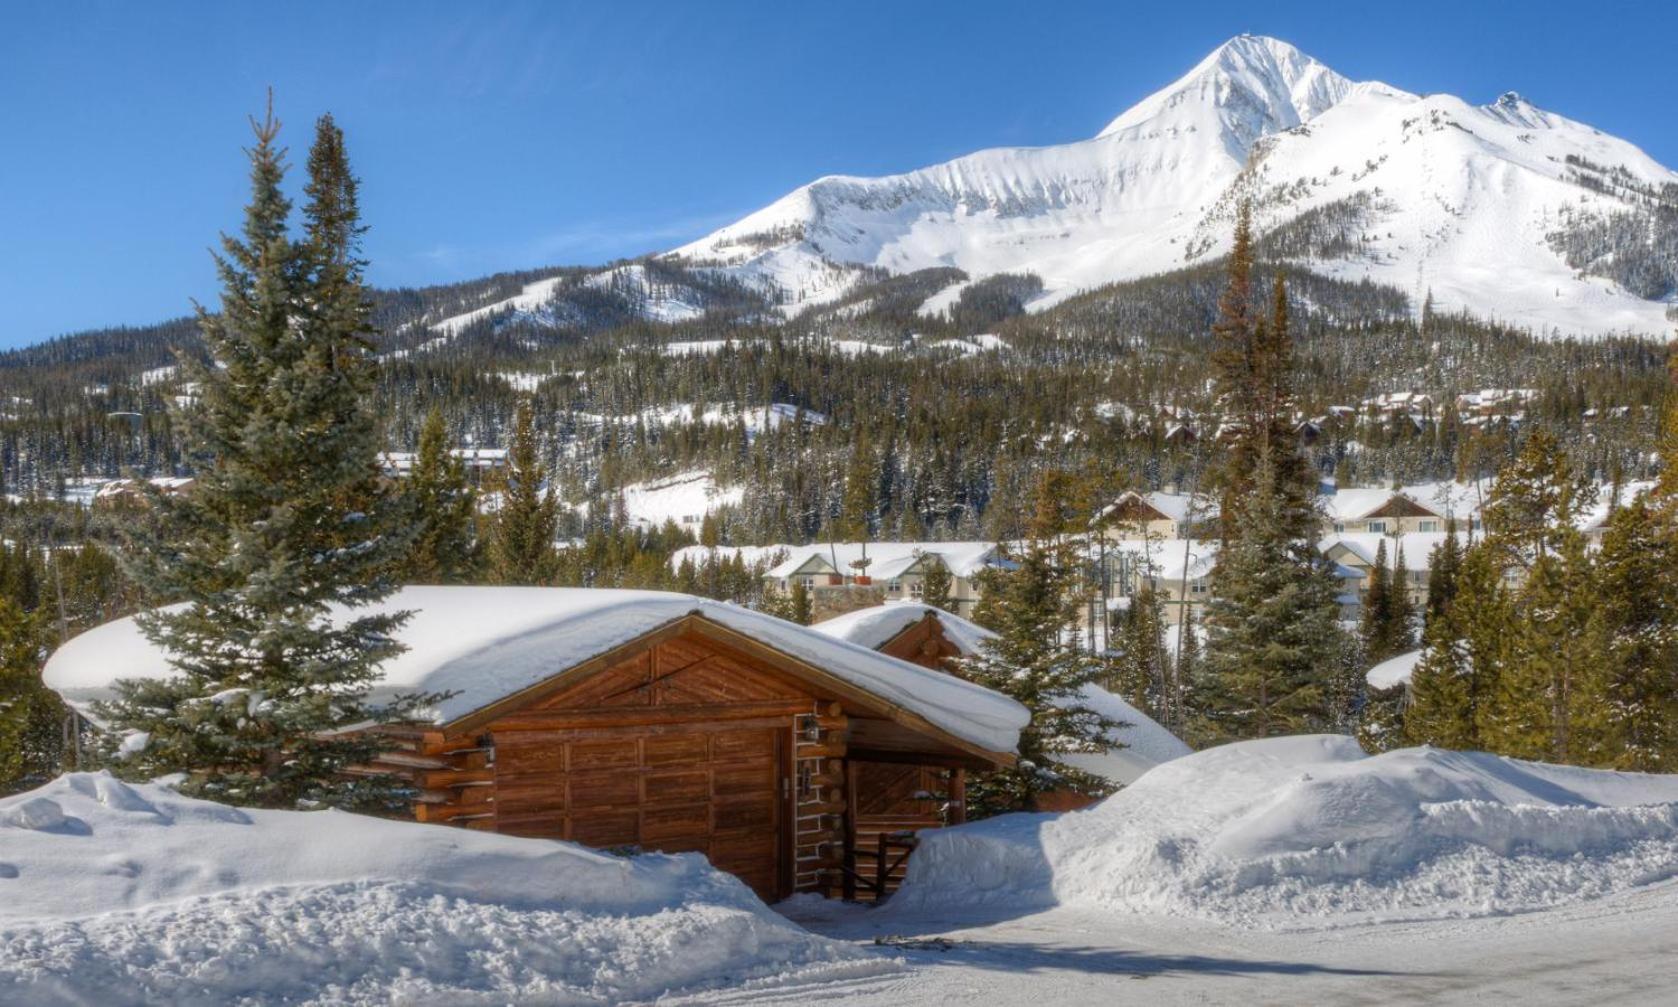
column 915, row 590
column 894, row 586
column 1339, row 526
column 1198, row 586
column 1428, row 526
column 1378, row 526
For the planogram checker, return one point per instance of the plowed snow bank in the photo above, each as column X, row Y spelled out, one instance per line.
column 1311, row 831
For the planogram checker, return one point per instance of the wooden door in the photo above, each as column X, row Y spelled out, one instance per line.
column 721, row 788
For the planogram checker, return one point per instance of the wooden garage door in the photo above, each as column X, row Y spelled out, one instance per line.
column 710, row 788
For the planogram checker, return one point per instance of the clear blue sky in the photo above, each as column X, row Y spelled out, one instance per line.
column 496, row 136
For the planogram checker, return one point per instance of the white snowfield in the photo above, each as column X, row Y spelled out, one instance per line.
column 1441, row 197
column 115, row 894
column 1311, row 832
column 485, row 643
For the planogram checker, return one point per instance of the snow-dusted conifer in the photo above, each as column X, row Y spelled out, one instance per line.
column 289, row 529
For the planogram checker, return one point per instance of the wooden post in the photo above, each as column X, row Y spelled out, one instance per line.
column 958, row 796
column 880, row 873
column 850, row 832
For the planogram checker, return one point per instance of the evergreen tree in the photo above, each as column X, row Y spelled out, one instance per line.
column 1274, row 644
column 1463, row 651
column 1376, row 624
column 936, row 583
column 861, row 496
column 802, row 612
column 1035, row 659
column 1547, row 676
column 1632, row 721
column 1401, row 636
column 1444, row 567
column 1140, row 646
column 521, row 540
column 30, row 714
column 443, row 510
column 289, row 531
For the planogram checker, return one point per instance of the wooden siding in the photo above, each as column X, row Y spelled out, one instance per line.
column 693, row 739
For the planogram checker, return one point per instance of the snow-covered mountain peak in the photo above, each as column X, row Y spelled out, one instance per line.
column 1504, row 209
column 1254, row 86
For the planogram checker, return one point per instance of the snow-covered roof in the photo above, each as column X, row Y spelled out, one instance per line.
column 1416, row 547
column 1447, row 499
column 1146, row 743
column 487, row 643
column 1393, row 671
column 878, row 625
column 1169, row 558
column 887, row 559
column 1175, row 506
column 749, row 555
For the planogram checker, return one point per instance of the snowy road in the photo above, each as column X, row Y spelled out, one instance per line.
column 1617, row 950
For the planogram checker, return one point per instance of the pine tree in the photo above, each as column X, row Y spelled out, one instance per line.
column 1631, row 722
column 1444, row 567
column 288, row 532
column 30, row 714
column 1035, row 660
column 1274, row 642
column 936, row 583
column 521, row 540
column 443, row 510
column 1545, row 680
column 1376, row 623
column 802, row 611
column 1140, row 645
column 1401, row 633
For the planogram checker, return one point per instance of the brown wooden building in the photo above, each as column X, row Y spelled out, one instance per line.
column 652, row 721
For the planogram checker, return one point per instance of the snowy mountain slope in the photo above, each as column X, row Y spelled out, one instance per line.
column 1483, row 206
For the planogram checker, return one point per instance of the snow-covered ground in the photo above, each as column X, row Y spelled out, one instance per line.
column 1278, row 872
column 1617, row 950
column 1309, row 832
column 113, row 894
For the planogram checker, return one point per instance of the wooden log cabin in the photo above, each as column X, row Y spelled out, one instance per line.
column 650, row 721
column 932, row 638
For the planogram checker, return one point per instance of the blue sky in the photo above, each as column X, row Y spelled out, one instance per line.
column 496, row 136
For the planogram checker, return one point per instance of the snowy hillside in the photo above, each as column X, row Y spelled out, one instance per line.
column 1505, row 210
column 118, row 894
column 1309, row 830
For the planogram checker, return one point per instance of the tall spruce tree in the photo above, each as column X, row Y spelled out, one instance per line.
column 521, row 540
column 1376, row 617
column 1274, row 644
column 289, row 532
column 1443, row 567
column 1631, row 721
column 1547, row 678
column 444, row 551
column 1142, row 673
column 31, row 715
column 1401, row 633
column 936, row 583
column 1036, row 660
column 1464, row 649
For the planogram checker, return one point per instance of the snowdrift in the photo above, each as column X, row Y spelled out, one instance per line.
column 119, row 894
column 1310, row 831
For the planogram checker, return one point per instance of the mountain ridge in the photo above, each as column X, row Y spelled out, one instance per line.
column 1518, row 214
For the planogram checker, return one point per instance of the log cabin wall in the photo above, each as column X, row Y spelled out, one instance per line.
column 685, row 744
